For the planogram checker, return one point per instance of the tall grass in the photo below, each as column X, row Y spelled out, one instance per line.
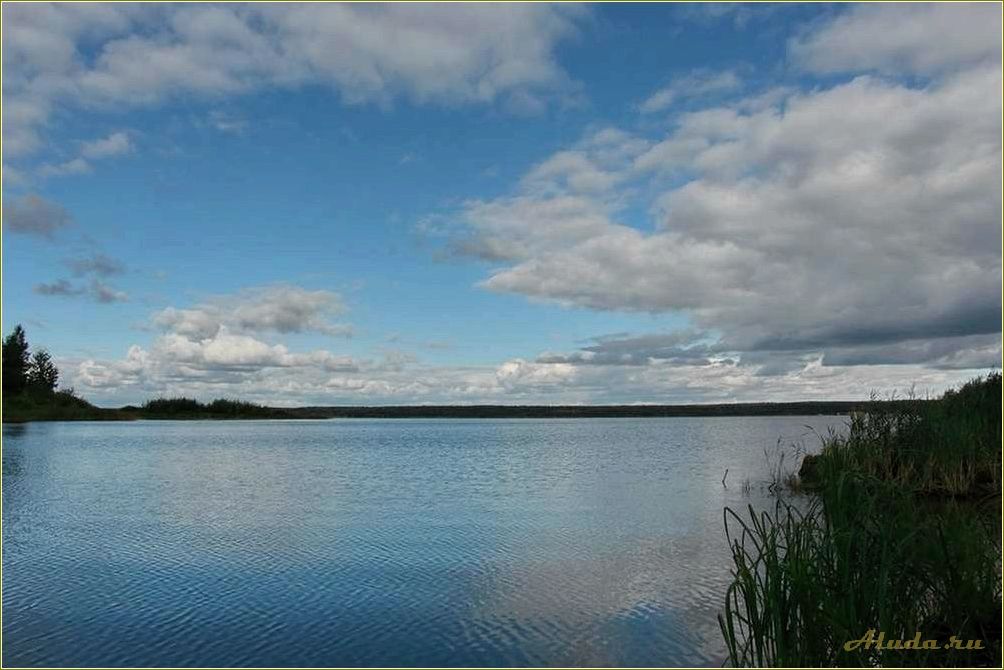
column 902, row 536
column 950, row 446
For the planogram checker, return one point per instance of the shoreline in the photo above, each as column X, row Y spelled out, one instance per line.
column 130, row 413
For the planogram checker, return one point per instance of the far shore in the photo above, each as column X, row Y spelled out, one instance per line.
column 223, row 410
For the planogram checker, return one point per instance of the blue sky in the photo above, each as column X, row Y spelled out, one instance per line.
column 354, row 204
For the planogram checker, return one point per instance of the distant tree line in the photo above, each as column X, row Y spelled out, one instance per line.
column 809, row 408
column 189, row 408
column 26, row 372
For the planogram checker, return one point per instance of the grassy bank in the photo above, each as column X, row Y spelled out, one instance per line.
column 901, row 536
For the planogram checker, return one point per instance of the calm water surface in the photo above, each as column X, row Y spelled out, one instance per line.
column 592, row 542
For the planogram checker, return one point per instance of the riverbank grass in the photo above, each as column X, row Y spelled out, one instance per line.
column 901, row 535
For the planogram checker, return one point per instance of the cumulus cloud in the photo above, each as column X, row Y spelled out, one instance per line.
column 683, row 366
column 798, row 226
column 221, row 361
column 524, row 375
column 34, row 215
column 60, row 56
column 226, row 350
column 825, row 243
column 508, row 228
column 925, row 38
column 258, row 371
column 279, row 309
column 224, row 344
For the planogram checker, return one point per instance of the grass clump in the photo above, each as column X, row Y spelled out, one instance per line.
column 901, row 536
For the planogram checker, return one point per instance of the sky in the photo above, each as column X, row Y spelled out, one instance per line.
column 508, row 204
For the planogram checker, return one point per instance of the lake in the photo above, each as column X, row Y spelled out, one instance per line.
column 513, row 542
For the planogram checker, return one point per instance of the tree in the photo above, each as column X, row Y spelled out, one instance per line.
column 43, row 375
column 16, row 361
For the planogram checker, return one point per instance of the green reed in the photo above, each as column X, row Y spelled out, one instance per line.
column 902, row 535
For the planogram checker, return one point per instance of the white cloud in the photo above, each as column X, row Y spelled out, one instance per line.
column 571, row 171
column 739, row 14
column 921, row 38
column 825, row 243
column 206, row 359
column 221, row 344
column 576, row 191
column 510, row 228
column 800, row 222
column 520, row 374
column 70, row 167
column 59, row 56
column 114, row 145
column 697, row 84
column 259, row 372
column 659, row 101
column 279, row 309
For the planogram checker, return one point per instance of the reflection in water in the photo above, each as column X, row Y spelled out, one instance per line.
column 470, row 543
column 14, row 429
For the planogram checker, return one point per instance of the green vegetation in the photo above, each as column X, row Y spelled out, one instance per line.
column 901, row 536
column 16, row 362
column 55, row 406
column 187, row 408
column 29, row 387
column 948, row 447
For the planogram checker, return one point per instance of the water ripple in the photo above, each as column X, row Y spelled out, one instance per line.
column 369, row 543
